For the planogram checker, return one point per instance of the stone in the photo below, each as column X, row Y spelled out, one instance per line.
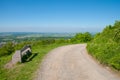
column 21, row 54
column 16, row 57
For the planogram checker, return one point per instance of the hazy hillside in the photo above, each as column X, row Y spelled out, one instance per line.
column 26, row 36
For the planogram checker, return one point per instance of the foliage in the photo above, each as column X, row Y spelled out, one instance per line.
column 82, row 37
column 106, row 46
column 7, row 49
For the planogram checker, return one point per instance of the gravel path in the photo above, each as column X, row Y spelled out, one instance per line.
column 72, row 62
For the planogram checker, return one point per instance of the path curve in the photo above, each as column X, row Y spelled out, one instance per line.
column 72, row 62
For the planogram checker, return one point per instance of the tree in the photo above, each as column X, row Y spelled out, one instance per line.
column 82, row 37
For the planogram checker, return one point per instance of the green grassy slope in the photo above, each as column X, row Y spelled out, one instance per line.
column 40, row 48
column 106, row 46
column 25, row 71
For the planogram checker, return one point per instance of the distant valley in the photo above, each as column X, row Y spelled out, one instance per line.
column 26, row 36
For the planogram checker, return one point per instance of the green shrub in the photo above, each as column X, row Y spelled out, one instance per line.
column 106, row 46
column 115, row 62
column 7, row 49
column 82, row 37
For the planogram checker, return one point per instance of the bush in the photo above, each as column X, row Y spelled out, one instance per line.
column 115, row 62
column 106, row 46
column 82, row 38
column 7, row 49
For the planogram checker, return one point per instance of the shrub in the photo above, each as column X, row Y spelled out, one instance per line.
column 106, row 46
column 7, row 49
column 82, row 37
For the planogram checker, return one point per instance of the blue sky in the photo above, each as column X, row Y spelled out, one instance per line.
column 57, row 15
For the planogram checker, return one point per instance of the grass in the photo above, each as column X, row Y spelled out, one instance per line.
column 25, row 71
column 106, row 53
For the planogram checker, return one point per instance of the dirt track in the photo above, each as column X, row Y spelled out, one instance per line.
column 72, row 62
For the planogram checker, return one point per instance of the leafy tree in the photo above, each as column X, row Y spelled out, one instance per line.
column 82, row 37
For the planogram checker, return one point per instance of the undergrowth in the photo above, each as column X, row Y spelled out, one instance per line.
column 106, row 46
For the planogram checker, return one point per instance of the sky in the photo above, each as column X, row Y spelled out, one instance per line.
column 57, row 15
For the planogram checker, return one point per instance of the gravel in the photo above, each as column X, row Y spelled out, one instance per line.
column 72, row 62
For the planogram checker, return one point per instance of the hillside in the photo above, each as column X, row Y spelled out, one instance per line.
column 106, row 46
